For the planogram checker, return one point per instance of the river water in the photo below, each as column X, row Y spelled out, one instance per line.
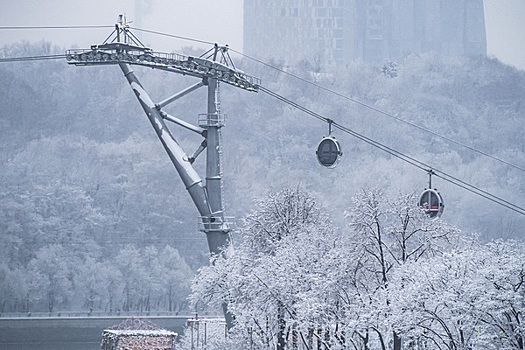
column 42, row 338
column 82, row 333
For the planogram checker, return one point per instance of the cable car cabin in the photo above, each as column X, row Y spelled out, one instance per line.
column 431, row 203
column 328, row 152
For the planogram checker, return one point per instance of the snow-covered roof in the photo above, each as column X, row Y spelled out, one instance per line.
column 139, row 332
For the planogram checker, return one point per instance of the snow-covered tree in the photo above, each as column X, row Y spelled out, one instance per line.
column 293, row 277
column 268, row 279
column 469, row 298
column 385, row 234
column 13, row 288
column 52, row 268
column 174, row 280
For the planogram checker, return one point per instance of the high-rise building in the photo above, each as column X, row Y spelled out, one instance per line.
column 373, row 31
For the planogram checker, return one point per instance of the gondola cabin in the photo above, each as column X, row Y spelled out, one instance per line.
column 329, row 152
column 431, row 203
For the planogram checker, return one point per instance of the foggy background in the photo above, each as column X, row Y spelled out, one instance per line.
column 213, row 21
column 92, row 214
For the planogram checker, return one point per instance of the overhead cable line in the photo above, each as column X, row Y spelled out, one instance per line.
column 376, row 144
column 344, row 97
column 173, row 36
column 33, row 58
column 287, row 73
column 381, row 112
column 54, row 27
column 385, row 148
column 412, row 161
column 480, row 192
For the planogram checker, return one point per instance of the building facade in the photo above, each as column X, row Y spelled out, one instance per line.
column 372, row 31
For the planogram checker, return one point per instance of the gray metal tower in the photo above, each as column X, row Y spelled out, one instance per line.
column 211, row 68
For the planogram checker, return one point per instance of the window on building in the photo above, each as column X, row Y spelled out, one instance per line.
column 320, row 12
column 337, row 12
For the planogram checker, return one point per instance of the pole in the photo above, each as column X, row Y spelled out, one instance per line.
column 218, row 234
column 208, row 200
column 125, row 49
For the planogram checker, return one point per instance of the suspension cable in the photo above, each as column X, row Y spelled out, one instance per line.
column 412, row 161
column 173, row 36
column 33, row 58
column 408, row 159
column 375, row 109
column 54, row 27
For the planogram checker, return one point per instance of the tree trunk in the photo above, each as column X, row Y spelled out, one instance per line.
column 170, row 305
column 397, row 341
column 281, row 324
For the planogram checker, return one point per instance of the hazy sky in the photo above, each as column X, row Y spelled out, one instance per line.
column 208, row 20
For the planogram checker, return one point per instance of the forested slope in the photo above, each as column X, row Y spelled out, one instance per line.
column 85, row 181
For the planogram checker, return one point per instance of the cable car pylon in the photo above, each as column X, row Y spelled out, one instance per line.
column 431, row 201
column 122, row 48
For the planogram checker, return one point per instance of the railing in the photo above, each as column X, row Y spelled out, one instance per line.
column 195, row 66
column 212, row 119
column 75, row 314
column 201, row 330
column 79, row 56
column 216, row 223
